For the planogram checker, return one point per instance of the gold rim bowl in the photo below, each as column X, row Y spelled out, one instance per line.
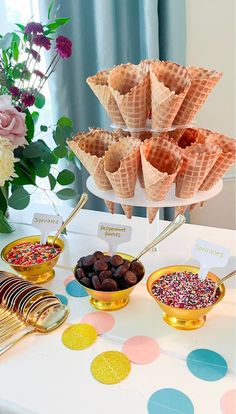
column 178, row 318
column 39, row 272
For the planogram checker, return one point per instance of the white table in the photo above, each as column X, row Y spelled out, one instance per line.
column 41, row 376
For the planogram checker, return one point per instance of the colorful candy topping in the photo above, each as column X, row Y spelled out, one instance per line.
column 107, row 273
column 30, row 253
column 185, row 290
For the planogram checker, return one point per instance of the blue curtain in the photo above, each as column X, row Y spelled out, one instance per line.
column 107, row 33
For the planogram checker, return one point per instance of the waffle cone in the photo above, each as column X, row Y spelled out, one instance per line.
column 161, row 160
column 121, row 164
column 90, row 148
column 180, row 210
column 151, row 213
column 128, row 210
column 225, row 160
column 99, row 85
column 198, row 159
column 169, row 85
column 190, row 136
column 202, row 83
column 130, row 86
column 110, row 206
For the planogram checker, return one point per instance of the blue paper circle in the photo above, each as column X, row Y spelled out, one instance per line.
column 169, row 401
column 74, row 289
column 206, row 364
column 62, row 298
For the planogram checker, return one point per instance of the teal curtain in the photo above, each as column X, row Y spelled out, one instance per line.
column 106, row 33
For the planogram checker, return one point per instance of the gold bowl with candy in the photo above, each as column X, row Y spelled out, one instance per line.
column 33, row 261
column 183, row 298
column 109, row 280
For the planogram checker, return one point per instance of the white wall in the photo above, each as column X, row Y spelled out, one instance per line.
column 211, row 43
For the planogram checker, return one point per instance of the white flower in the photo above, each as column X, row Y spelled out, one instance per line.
column 7, row 161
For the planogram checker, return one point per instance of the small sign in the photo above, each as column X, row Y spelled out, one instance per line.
column 209, row 255
column 46, row 223
column 114, row 234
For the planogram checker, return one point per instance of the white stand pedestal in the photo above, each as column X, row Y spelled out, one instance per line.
column 140, row 200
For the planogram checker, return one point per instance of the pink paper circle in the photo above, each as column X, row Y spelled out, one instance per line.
column 68, row 279
column 101, row 321
column 141, row 349
column 228, row 402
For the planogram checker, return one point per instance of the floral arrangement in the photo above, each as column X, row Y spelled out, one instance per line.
column 25, row 157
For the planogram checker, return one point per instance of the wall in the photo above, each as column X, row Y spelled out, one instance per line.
column 211, row 43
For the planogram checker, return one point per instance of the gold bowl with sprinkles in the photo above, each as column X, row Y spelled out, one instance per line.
column 179, row 310
column 34, row 262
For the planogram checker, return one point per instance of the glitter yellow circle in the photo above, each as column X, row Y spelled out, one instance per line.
column 110, row 367
column 79, row 336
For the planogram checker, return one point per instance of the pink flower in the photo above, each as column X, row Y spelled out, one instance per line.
column 14, row 91
column 42, row 41
column 63, row 47
column 33, row 27
column 12, row 122
column 27, row 99
column 39, row 73
column 35, row 55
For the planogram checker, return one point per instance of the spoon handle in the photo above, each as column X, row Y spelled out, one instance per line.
column 11, row 344
column 233, row 273
column 83, row 199
column 174, row 225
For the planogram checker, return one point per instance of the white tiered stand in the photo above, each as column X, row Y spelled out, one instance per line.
column 140, row 200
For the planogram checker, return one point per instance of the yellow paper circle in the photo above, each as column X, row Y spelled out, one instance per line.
column 110, row 367
column 79, row 336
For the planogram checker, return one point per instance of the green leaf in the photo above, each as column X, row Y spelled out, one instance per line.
column 15, row 52
column 5, row 58
column 52, row 181
column 21, row 26
column 50, row 157
column 60, row 151
column 64, row 121
column 5, row 42
column 65, row 177
column 18, row 71
column 35, row 116
column 25, row 176
column 43, row 128
column 61, row 134
column 4, row 225
column 29, row 121
column 39, row 101
column 62, row 21
column 57, row 23
column 50, row 9
column 43, row 169
column 3, row 201
column 35, row 149
column 66, row 194
column 19, row 199
column 70, row 156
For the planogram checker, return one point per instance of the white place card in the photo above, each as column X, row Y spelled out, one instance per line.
column 46, row 223
column 114, row 234
column 209, row 255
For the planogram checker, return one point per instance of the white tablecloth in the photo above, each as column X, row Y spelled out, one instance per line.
column 41, row 376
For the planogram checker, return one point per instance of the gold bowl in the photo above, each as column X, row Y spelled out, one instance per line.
column 186, row 319
column 36, row 273
column 109, row 301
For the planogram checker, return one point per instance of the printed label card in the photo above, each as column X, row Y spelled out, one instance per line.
column 46, row 223
column 209, row 255
column 114, row 234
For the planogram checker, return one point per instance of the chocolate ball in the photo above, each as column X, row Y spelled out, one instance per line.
column 100, row 266
column 80, row 262
column 117, row 260
column 96, row 282
column 107, row 258
column 91, row 274
column 109, row 285
column 120, row 271
column 99, row 255
column 89, row 260
column 79, row 274
column 104, row 275
column 86, row 282
column 137, row 268
column 130, row 278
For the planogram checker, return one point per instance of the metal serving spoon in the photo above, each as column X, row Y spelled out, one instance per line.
column 217, row 285
column 48, row 320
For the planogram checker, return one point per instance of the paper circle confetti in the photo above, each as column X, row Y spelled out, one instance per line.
column 79, row 336
column 74, row 289
column 63, row 299
column 206, row 364
column 68, row 279
column 169, row 400
column 110, row 367
column 141, row 349
column 228, row 402
column 101, row 321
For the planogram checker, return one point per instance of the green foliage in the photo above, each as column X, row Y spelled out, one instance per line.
column 65, row 177
column 66, row 194
column 19, row 198
column 39, row 101
column 4, row 225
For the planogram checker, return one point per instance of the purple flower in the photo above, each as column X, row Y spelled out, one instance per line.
column 34, row 28
column 63, row 47
column 14, row 91
column 27, row 99
column 42, row 41
column 39, row 73
column 35, row 55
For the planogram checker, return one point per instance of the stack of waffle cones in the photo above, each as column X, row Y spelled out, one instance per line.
column 161, row 160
